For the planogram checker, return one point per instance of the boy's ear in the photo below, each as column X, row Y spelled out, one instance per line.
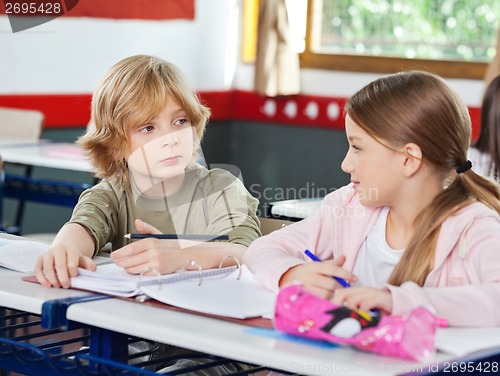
column 120, row 153
column 413, row 159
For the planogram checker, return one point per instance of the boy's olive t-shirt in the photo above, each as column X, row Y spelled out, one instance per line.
column 209, row 202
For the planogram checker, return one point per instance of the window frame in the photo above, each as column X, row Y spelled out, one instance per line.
column 375, row 64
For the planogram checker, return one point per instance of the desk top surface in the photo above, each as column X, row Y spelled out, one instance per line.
column 234, row 340
column 43, row 153
column 300, row 209
column 25, row 296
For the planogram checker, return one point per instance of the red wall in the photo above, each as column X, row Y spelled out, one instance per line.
column 73, row 110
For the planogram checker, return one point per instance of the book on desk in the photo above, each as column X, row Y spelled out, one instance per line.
column 229, row 292
column 20, row 255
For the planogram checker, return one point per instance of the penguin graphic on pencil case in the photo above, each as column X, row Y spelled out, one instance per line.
column 345, row 322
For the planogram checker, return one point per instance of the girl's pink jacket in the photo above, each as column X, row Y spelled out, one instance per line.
column 463, row 286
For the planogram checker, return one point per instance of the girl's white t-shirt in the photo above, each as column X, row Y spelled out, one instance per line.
column 376, row 259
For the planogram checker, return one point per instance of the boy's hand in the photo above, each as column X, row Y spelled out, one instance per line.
column 56, row 266
column 149, row 254
column 317, row 277
column 145, row 228
column 145, row 254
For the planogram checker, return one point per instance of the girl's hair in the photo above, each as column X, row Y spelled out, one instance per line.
column 489, row 136
column 131, row 93
column 419, row 107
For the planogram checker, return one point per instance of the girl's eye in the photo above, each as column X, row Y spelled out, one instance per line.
column 356, row 149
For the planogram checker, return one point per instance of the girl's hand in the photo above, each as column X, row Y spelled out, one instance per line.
column 364, row 298
column 56, row 266
column 317, row 277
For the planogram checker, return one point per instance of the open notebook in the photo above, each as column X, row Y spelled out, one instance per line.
column 20, row 255
column 230, row 292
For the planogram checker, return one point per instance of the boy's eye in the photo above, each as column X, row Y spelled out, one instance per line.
column 181, row 121
column 146, row 128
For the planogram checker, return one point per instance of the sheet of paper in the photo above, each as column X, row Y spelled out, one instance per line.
column 110, row 278
column 463, row 341
column 21, row 255
column 227, row 296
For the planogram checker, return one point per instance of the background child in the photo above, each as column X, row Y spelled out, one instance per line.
column 485, row 152
column 416, row 226
column 146, row 126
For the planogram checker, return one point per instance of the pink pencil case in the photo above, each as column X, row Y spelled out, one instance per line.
column 300, row 313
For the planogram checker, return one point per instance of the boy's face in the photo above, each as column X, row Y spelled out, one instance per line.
column 161, row 149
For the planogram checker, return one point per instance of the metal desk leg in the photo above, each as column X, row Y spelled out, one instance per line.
column 109, row 345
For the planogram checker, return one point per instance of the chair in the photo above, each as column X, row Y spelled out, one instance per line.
column 27, row 125
column 26, row 188
column 19, row 124
column 268, row 225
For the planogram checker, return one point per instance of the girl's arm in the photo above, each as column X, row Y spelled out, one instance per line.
column 278, row 258
column 465, row 288
column 72, row 248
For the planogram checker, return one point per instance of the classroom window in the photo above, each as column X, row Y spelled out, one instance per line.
column 297, row 11
column 454, row 38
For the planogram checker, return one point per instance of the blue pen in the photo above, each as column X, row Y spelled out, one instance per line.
column 313, row 257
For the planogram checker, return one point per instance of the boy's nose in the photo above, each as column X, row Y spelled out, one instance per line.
column 170, row 139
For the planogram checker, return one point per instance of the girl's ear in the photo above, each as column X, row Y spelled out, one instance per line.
column 413, row 159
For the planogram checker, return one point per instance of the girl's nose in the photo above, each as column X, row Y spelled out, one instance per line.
column 346, row 164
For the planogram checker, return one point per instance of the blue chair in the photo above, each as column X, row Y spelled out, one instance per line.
column 26, row 188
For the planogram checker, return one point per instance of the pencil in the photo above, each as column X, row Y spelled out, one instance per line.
column 205, row 238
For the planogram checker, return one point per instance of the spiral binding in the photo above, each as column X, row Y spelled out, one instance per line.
column 184, row 276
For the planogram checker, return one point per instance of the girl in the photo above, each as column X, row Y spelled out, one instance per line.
column 416, row 226
column 485, row 152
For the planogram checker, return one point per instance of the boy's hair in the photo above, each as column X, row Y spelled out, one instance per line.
column 131, row 93
column 419, row 107
column 488, row 141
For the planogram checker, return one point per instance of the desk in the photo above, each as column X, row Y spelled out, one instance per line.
column 218, row 337
column 295, row 209
column 252, row 345
column 234, row 341
column 43, row 153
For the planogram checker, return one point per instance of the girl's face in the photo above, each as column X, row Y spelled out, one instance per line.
column 161, row 149
column 374, row 168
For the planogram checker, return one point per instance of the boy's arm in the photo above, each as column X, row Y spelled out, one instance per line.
column 167, row 256
column 72, row 248
column 209, row 255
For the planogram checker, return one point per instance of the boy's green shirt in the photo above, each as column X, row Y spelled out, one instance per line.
column 212, row 202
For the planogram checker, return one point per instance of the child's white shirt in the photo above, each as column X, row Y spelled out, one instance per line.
column 376, row 259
